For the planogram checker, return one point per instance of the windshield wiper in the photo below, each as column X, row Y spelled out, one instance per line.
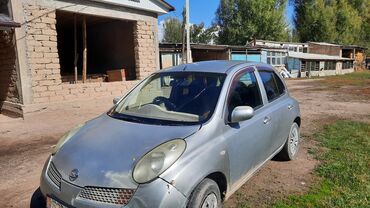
column 127, row 118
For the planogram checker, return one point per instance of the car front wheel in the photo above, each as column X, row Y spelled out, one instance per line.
column 291, row 146
column 205, row 195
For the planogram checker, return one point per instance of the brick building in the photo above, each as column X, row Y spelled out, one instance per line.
column 38, row 60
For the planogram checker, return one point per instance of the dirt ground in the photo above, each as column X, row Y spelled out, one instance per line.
column 26, row 144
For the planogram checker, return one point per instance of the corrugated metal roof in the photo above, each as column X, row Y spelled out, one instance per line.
column 6, row 21
column 312, row 56
column 324, row 43
column 281, row 42
column 216, row 66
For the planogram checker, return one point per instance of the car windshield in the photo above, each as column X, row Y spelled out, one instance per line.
column 172, row 98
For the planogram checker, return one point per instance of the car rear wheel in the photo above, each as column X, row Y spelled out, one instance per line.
column 291, row 146
column 205, row 195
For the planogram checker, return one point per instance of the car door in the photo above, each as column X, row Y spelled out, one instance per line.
column 277, row 107
column 246, row 140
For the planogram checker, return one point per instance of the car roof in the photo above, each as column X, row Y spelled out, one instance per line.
column 218, row 66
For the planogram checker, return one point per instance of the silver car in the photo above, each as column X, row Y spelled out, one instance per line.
column 188, row 136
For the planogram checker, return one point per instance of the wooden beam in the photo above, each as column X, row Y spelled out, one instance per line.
column 84, row 36
column 75, row 49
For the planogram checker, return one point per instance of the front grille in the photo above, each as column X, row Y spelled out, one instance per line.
column 107, row 195
column 54, row 175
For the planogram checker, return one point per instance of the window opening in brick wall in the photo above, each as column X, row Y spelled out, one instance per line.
column 110, row 48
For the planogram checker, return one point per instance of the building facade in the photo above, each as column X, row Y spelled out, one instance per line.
column 58, row 38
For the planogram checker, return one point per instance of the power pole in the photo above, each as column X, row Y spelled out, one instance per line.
column 187, row 26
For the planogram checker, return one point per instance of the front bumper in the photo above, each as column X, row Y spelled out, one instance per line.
column 158, row 193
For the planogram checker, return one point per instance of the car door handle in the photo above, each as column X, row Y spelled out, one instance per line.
column 266, row 120
column 290, row 106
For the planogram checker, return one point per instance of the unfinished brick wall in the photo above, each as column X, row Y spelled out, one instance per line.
column 42, row 51
column 8, row 72
column 145, row 48
column 43, row 59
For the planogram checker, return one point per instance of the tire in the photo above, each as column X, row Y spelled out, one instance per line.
column 206, row 191
column 291, row 146
column 37, row 199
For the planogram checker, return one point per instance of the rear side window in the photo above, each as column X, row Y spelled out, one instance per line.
column 273, row 85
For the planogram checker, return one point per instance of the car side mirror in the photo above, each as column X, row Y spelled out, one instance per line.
column 116, row 99
column 241, row 113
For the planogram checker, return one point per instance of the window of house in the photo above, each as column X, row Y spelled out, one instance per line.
column 276, row 58
column 312, row 65
column 274, row 87
column 244, row 92
column 329, row 65
column 347, row 65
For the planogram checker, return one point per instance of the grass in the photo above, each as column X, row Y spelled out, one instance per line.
column 355, row 79
column 356, row 84
column 344, row 171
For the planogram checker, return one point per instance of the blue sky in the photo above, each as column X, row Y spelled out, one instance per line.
column 204, row 11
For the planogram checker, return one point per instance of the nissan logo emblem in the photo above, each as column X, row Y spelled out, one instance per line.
column 73, row 175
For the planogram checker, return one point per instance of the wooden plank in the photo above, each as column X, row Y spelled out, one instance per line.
column 75, row 49
column 84, row 36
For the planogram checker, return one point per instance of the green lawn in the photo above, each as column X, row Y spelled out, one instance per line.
column 344, row 171
column 361, row 78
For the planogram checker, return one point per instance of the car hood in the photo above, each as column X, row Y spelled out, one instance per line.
column 106, row 150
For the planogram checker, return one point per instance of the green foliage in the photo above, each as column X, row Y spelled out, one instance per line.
column 200, row 34
column 348, row 24
column 172, row 30
column 344, row 169
column 336, row 21
column 242, row 20
column 315, row 21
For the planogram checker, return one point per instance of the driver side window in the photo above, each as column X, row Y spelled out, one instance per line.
column 244, row 92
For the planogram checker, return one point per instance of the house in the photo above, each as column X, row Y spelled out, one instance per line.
column 64, row 50
column 171, row 54
column 308, row 64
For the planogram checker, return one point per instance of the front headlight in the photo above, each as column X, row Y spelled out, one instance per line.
column 158, row 160
column 66, row 137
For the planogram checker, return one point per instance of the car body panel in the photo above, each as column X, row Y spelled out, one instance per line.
column 162, row 194
column 112, row 147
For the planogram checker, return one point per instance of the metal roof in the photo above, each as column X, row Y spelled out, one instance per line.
column 354, row 47
column 281, row 42
column 325, row 44
column 312, row 56
column 218, row 66
column 169, row 6
column 7, row 22
column 201, row 46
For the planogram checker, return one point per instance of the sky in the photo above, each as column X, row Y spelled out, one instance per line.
column 204, row 11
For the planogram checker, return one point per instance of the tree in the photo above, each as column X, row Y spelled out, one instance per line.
column 363, row 9
column 336, row 21
column 172, row 30
column 200, row 34
column 348, row 23
column 242, row 20
column 315, row 20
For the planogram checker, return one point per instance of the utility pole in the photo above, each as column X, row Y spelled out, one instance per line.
column 187, row 26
